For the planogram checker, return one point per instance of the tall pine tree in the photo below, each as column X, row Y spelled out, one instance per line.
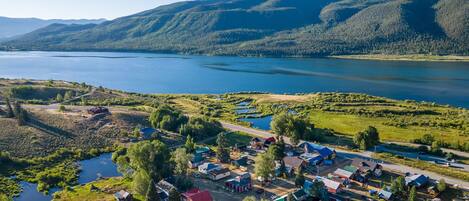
column 223, row 153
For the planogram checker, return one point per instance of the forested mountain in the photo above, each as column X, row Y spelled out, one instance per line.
column 10, row 27
column 272, row 27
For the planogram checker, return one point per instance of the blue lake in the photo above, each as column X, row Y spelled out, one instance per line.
column 92, row 169
column 441, row 82
column 262, row 123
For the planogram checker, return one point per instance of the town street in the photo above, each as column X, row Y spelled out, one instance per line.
column 365, row 155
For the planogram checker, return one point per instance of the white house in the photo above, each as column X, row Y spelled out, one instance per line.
column 207, row 167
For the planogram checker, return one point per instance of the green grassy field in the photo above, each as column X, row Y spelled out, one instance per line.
column 349, row 125
column 107, row 188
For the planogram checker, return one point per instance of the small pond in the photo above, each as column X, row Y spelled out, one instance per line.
column 91, row 170
column 101, row 166
column 262, row 123
column 245, row 110
column 30, row 193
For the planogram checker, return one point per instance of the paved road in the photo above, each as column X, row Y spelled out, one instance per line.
column 349, row 154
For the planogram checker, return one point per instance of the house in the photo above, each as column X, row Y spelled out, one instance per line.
column 163, row 188
column 332, row 186
column 383, row 194
column 203, row 151
column 123, row 196
column 312, row 159
column 325, row 152
column 241, row 183
column 417, row 180
column 261, row 143
column 241, row 161
column 207, row 167
column 196, row 195
column 218, row 174
column 344, row 174
column 366, row 169
column 294, row 163
column 196, row 161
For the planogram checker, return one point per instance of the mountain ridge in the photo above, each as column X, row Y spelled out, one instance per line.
column 11, row 27
column 272, row 28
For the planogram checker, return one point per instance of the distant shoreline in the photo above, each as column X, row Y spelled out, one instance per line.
column 410, row 57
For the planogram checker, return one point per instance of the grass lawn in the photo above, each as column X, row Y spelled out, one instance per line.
column 107, row 189
column 348, row 124
column 234, row 138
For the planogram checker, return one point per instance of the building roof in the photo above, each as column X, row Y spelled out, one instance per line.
column 385, row 194
column 201, row 150
column 322, row 150
column 350, row 168
column 219, row 171
column 299, row 194
column 243, row 179
column 122, row 194
column 343, row 173
column 242, row 161
column 364, row 165
column 208, row 166
column 311, row 157
column 197, row 158
column 329, row 183
column 418, row 179
column 166, row 186
column 197, row 195
column 293, row 161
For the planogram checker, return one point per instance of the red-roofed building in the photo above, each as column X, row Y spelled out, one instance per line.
column 196, row 195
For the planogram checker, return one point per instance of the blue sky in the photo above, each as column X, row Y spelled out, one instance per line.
column 76, row 9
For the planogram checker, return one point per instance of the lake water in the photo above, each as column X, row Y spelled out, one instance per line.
column 441, row 82
column 92, row 169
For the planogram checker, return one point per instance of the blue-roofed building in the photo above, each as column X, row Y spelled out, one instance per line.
column 207, row 167
column 417, row 180
column 241, row 183
column 325, row 152
column 196, row 161
column 203, row 151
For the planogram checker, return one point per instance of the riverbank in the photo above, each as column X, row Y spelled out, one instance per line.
column 409, row 57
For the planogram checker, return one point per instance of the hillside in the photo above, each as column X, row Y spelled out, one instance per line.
column 10, row 27
column 272, row 27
